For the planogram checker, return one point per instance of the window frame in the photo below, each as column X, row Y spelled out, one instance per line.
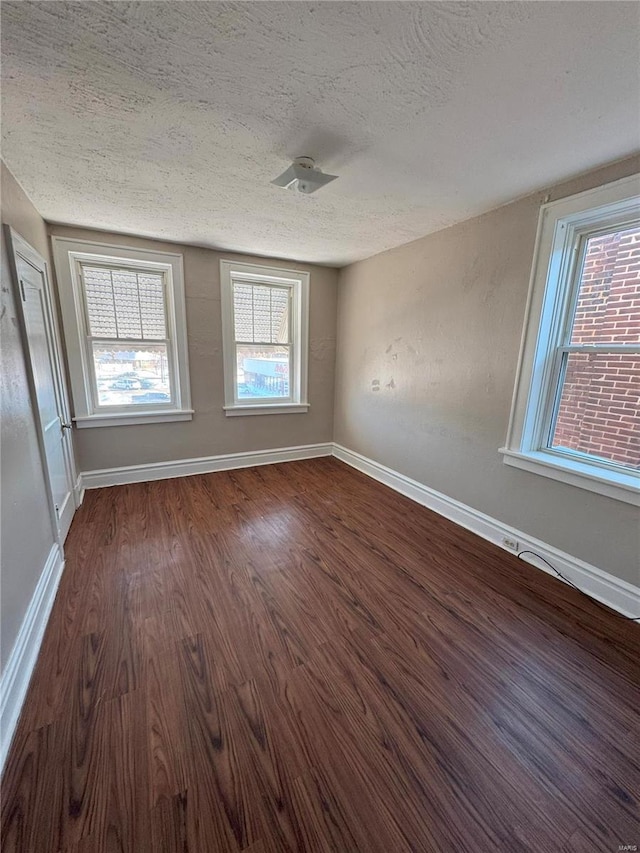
column 297, row 282
column 564, row 227
column 69, row 255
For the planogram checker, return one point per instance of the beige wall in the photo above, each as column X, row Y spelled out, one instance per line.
column 210, row 432
column 428, row 340
column 26, row 533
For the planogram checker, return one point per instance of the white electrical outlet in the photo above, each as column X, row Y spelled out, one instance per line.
column 511, row 544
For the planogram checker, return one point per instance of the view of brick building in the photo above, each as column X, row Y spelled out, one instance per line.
column 599, row 410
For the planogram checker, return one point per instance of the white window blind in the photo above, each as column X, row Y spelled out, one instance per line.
column 261, row 313
column 125, row 303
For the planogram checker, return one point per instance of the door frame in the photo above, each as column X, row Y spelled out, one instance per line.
column 18, row 247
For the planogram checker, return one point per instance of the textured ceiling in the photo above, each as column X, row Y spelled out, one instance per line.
column 170, row 119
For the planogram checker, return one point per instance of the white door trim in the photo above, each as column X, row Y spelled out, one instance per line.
column 19, row 248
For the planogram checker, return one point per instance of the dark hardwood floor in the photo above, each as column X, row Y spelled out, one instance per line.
column 296, row 658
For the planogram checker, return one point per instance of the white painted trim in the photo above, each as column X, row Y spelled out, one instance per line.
column 615, row 593
column 19, row 667
column 298, row 283
column 79, row 491
column 270, row 409
column 126, row 419
column 576, row 473
column 19, row 248
column 562, row 226
column 203, row 465
column 67, row 254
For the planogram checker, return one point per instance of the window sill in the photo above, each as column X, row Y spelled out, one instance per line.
column 266, row 409
column 128, row 419
column 620, row 486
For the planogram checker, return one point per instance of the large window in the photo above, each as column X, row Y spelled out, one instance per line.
column 123, row 313
column 265, row 321
column 576, row 413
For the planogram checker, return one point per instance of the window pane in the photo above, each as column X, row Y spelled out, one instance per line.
column 132, row 377
column 599, row 411
column 261, row 313
column 125, row 303
column 608, row 306
column 262, row 371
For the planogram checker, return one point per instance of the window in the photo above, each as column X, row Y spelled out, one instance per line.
column 124, row 320
column 265, row 335
column 576, row 413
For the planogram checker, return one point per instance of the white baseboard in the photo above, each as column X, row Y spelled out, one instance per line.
column 203, row 465
column 17, row 672
column 615, row 593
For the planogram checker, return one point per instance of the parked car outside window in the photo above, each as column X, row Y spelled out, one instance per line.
column 124, row 384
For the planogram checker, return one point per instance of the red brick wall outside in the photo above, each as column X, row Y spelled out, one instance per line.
column 599, row 411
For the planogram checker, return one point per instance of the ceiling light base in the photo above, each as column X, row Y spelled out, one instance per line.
column 303, row 176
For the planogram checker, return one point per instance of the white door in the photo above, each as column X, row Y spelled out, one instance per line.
column 48, row 390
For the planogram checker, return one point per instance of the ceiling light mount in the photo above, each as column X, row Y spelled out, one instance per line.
column 303, row 176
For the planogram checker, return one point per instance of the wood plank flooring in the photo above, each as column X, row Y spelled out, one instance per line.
column 296, row 658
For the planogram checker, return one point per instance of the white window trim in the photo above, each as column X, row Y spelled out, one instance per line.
column 559, row 227
column 67, row 255
column 298, row 281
